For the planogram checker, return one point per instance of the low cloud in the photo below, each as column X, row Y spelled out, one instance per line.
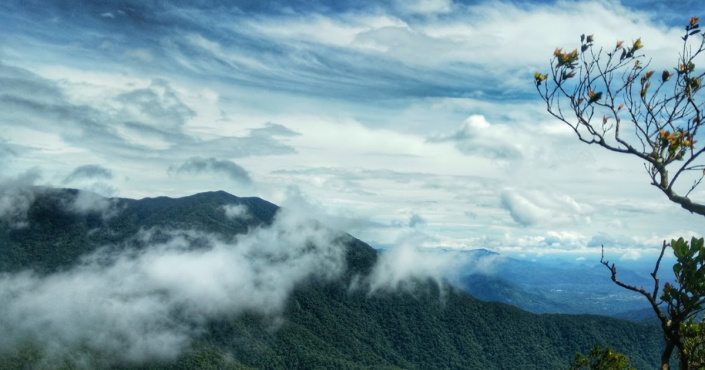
column 93, row 178
column 89, row 202
column 340, row 218
column 149, row 304
column 16, row 196
column 236, row 211
column 198, row 165
column 407, row 263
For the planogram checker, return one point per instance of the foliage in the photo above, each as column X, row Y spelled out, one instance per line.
column 601, row 359
column 658, row 121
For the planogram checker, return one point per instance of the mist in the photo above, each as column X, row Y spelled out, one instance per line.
column 139, row 304
column 407, row 263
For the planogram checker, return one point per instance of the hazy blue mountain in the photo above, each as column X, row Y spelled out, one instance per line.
column 544, row 287
column 160, row 283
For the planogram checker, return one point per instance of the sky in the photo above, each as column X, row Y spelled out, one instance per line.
column 399, row 122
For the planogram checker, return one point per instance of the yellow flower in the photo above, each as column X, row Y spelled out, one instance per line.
column 637, row 44
column 539, row 77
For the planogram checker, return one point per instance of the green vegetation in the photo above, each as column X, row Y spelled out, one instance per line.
column 601, row 359
column 610, row 99
column 324, row 324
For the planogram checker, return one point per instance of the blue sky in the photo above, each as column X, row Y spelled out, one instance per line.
column 395, row 121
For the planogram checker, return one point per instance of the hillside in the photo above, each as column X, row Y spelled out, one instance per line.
column 217, row 281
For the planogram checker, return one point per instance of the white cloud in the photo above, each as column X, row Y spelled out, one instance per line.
column 364, row 88
column 408, row 262
column 528, row 208
column 136, row 305
column 16, row 196
column 630, row 255
column 236, row 211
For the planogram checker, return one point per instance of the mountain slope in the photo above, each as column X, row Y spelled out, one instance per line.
column 323, row 321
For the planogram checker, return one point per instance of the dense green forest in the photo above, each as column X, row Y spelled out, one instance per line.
column 324, row 324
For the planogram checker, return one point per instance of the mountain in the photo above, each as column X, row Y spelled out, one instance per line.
column 217, row 281
column 545, row 288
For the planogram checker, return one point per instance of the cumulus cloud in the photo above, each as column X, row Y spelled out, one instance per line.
column 477, row 136
column 149, row 303
column 199, row 165
column 529, row 208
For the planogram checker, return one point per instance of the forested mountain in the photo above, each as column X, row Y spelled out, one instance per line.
column 216, row 281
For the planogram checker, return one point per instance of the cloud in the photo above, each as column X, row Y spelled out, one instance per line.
column 236, row 211
column 139, row 304
column 630, row 255
column 89, row 171
column 407, row 262
column 273, row 129
column 416, row 220
column 423, row 105
column 198, row 165
column 340, row 218
column 530, row 208
column 425, row 6
column 477, row 136
column 90, row 178
column 157, row 105
column 88, row 202
column 522, row 210
column 16, row 196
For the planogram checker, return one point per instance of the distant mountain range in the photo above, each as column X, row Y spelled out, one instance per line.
column 217, row 281
column 545, row 288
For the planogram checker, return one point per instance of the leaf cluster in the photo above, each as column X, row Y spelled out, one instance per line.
column 601, row 359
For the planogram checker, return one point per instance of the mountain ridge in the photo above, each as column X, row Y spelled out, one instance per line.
column 323, row 321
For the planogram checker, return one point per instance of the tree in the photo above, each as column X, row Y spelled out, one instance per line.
column 611, row 98
column 678, row 306
column 601, row 359
column 608, row 99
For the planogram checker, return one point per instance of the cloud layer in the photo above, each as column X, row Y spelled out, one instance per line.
column 145, row 304
column 373, row 111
